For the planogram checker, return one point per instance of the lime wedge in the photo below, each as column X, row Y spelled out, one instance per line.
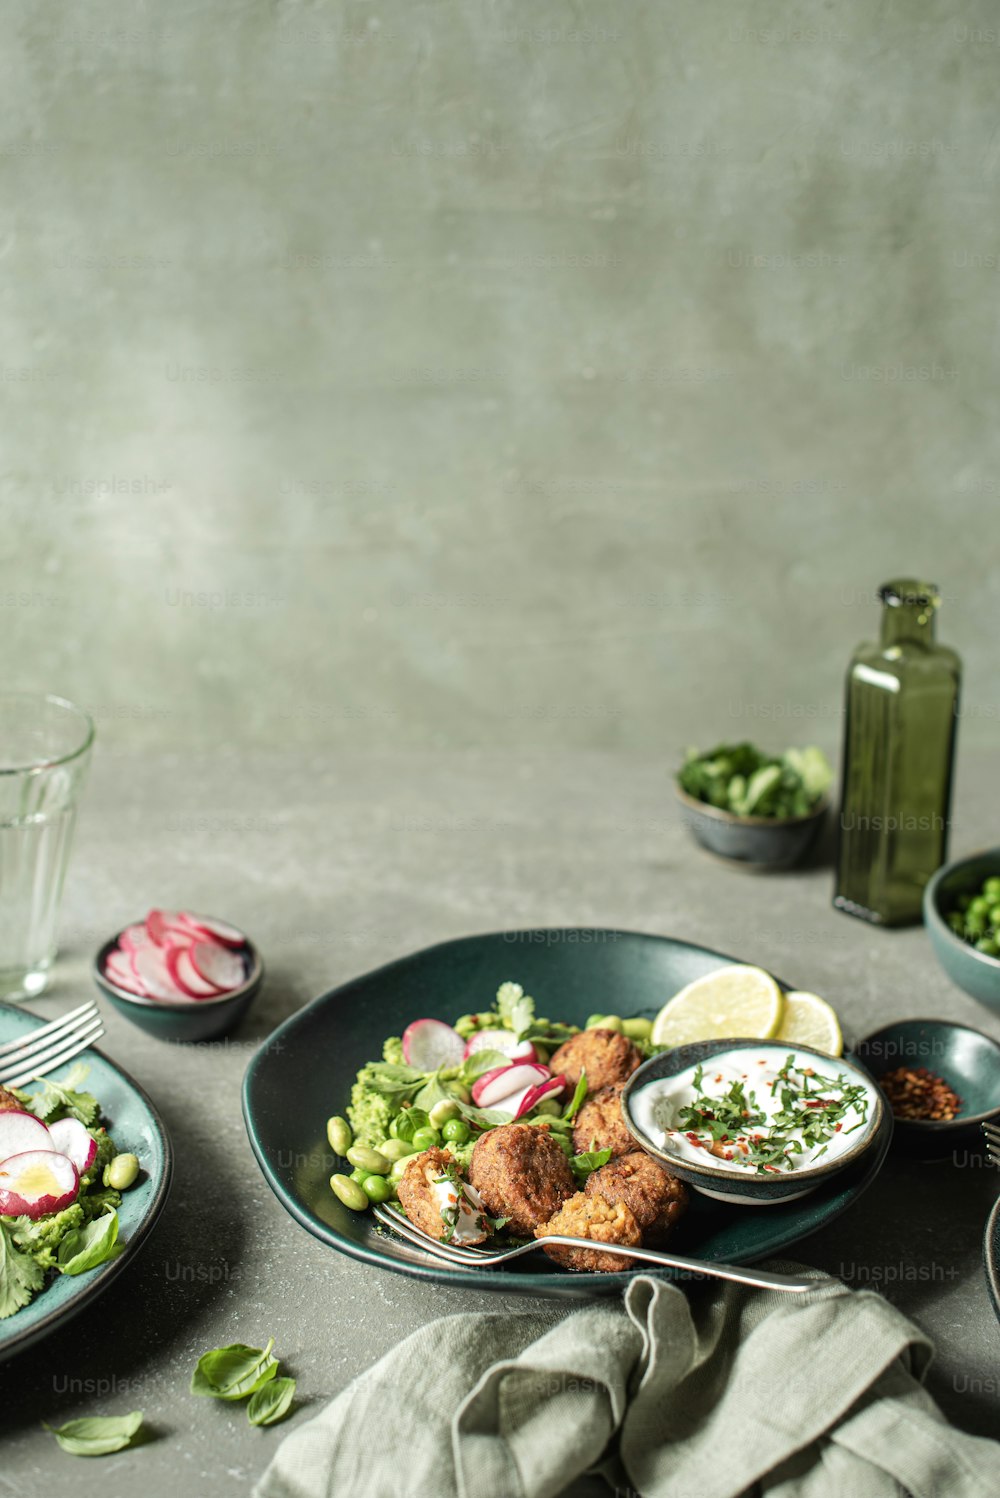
column 809, row 1020
column 728, row 1002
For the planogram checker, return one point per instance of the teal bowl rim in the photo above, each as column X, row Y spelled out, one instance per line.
column 929, row 1126
column 933, row 916
column 721, row 814
column 178, row 1006
column 691, row 1171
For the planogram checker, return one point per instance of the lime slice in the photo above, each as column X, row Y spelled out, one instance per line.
column 809, row 1020
column 731, row 1001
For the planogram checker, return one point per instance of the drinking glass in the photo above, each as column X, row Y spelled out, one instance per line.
column 44, row 752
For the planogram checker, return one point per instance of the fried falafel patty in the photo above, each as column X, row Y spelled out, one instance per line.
column 656, row 1199
column 522, row 1174
column 601, row 1221
column 604, row 1055
column 599, row 1124
column 422, row 1200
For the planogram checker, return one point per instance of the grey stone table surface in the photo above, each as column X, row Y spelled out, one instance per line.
column 335, row 863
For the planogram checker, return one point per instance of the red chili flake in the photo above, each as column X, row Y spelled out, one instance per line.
column 719, row 1077
column 772, row 1168
column 837, row 1128
column 915, row 1092
column 695, row 1140
column 807, row 1071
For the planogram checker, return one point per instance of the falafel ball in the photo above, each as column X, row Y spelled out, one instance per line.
column 522, row 1174
column 601, row 1221
column 9, row 1103
column 599, row 1124
column 604, row 1055
column 422, row 1203
column 656, row 1199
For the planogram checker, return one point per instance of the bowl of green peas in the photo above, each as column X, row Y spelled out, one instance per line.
column 962, row 916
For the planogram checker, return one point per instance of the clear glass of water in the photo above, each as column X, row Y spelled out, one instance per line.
column 44, row 753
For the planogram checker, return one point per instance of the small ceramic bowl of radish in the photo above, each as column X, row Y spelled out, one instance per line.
column 179, row 975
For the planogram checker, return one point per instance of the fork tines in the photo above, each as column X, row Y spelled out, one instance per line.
column 992, row 1133
column 49, row 1046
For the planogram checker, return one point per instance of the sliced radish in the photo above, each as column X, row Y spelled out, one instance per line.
column 20, row 1131
column 70, row 1138
column 119, row 969
column 504, row 1041
column 503, row 1082
column 203, row 925
column 186, row 976
column 37, row 1182
column 552, row 1088
column 220, row 966
column 134, row 937
column 430, row 1043
column 151, row 965
column 161, row 922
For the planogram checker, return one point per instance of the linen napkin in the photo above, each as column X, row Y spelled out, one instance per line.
column 720, row 1393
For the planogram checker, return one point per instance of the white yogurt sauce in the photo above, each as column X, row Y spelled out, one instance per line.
column 813, row 1084
column 470, row 1223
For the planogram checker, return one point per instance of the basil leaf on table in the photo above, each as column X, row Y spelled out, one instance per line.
column 233, row 1372
column 271, row 1402
column 86, row 1247
column 97, row 1435
column 20, row 1276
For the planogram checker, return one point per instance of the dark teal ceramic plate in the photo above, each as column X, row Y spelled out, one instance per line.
column 303, row 1074
column 136, row 1127
column 991, row 1256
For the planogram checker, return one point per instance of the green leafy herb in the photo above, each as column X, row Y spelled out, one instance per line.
column 483, row 1118
column 97, row 1435
column 517, row 1009
column 234, row 1372
column 479, row 1062
column 749, row 782
column 85, row 1247
column 271, row 1402
column 20, row 1276
column 64, row 1100
column 579, row 1094
column 584, row 1165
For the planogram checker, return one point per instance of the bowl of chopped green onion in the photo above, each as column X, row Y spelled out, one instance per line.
column 753, row 808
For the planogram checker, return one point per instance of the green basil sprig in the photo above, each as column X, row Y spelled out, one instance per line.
column 97, row 1435
column 234, row 1372
column 272, row 1402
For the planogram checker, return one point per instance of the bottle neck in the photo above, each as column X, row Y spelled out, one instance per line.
column 908, row 623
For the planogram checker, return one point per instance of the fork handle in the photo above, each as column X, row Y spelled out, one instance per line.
column 761, row 1279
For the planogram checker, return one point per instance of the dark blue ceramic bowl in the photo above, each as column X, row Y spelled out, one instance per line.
column 975, row 972
column 744, row 1189
column 966, row 1059
column 194, row 1019
column 759, row 843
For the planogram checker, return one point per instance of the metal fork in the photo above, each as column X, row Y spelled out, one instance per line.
column 992, row 1133
column 478, row 1258
column 50, row 1045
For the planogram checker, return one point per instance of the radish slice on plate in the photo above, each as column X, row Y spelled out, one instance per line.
column 497, row 1087
column 504, row 1041
column 20, row 1131
column 220, row 966
column 552, row 1088
column 186, row 976
column 70, row 1138
column 37, row 1182
column 203, row 925
column 430, row 1043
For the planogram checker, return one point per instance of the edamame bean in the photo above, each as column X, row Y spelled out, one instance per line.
column 455, row 1131
column 426, row 1139
column 396, row 1149
column 446, row 1109
column 371, row 1160
column 121, row 1172
column 339, row 1135
column 397, row 1171
column 611, row 1022
column 377, row 1189
column 637, row 1029
column 349, row 1192
column 594, row 1022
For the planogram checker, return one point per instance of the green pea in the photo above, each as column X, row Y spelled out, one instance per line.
column 121, row 1172
column 975, row 924
column 377, row 1189
column 988, row 945
column 398, row 1170
column 359, row 1175
column 338, row 1132
column 426, row 1139
column 441, row 1112
column 979, row 906
column 455, row 1131
column 638, row 1028
column 991, row 889
column 349, row 1192
column 963, row 902
column 549, row 1107
column 396, row 1149
column 371, row 1160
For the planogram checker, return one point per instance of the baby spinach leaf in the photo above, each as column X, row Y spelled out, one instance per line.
column 97, row 1435
column 85, row 1247
column 271, row 1402
column 233, row 1372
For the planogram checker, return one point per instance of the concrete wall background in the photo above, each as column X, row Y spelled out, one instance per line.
column 447, row 374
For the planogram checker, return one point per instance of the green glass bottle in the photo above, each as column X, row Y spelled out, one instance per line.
column 899, row 743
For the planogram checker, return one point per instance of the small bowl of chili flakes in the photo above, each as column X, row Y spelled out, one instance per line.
column 940, row 1079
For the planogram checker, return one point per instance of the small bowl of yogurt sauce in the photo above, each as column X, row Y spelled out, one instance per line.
column 754, row 1122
